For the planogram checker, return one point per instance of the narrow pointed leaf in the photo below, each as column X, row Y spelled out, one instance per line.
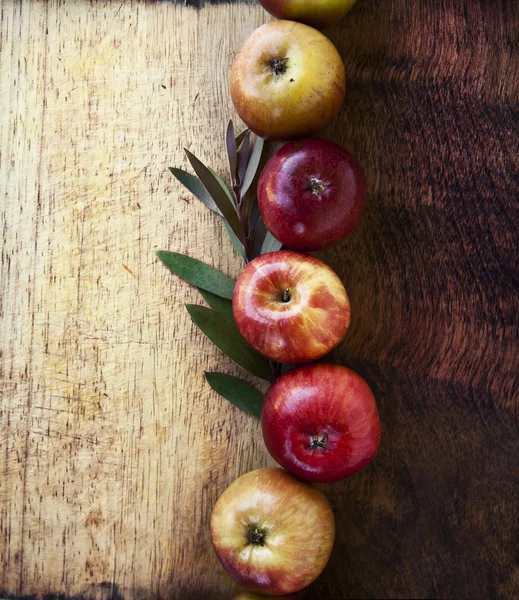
column 198, row 273
column 243, row 157
column 241, row 137
column 195, row 186
column 225, row 335
column 238, row 246
column 238, row 392
column 232, row 151
column 257, row 230
column 252, row 167
column 223, row 185
column 222, row 198
column 270, row 244
column 217, row 303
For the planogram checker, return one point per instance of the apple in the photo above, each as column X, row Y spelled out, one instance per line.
column 290, row 307
column 317, row 13
column 311, row 194
column 321, row 422
column 253, row 596
column 287, row 81
column 272, row 533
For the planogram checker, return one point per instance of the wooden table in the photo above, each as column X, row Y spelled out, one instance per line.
column 113, row 449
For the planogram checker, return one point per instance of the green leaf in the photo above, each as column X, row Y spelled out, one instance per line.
column 238, row 392
column 195, row 186
column 238, row 246
column 225, row 335
column 235, row 240
column 223, row 185
column 270, row 244
column 243, row 157
column 241, row 137
column 217, row 303
column 232, row 151
column 198, row 273
column 220, row 193
column 252, row 167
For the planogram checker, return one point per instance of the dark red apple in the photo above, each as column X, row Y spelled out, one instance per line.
column 290, row 307
column 312, row 194
column 321, row 422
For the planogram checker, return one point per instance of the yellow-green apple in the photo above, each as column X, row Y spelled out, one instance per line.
column 311, row 194
column 290, row 307
column 272, row 533
column 287, row 81
column 321, row 422
column 317, row 13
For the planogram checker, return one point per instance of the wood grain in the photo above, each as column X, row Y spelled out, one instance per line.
column 113, row 450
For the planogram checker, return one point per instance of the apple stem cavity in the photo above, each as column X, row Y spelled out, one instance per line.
column 317, row 442
column 277, row 66
column 316, row 186
column 286, row 296
column 256, row 536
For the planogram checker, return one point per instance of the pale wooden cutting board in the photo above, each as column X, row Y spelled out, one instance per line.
column 114, row 448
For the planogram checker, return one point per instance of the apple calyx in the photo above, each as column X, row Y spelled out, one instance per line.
column 277, row 66
column 316, row 186
column 317, row 442
column 256, row 535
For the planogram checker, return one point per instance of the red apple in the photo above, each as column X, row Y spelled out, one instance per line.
column 253, row 596
column 312, row 194
column 287, row 81
column 317, row 13
column 321, row 422
column 272, row 533
column 290, row 307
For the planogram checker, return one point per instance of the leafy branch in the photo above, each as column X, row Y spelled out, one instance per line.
column 237, row 206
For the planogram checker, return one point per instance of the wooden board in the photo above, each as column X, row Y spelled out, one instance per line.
column 113, row 450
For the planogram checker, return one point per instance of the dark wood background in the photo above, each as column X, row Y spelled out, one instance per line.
column 108, row 478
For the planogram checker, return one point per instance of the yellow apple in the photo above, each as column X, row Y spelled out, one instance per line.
column 317, row 13
column 272, row 533
column 287, row 81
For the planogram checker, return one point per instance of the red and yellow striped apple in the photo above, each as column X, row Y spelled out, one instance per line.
column 287, row 81
column 317, row 13
column 321, row 422
column 290, row 307
column 272, row 533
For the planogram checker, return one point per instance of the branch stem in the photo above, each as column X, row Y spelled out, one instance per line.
column 236, row 191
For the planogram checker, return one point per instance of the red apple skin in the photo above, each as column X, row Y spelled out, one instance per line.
column 326, row 405
column 312, row 194
column 301, row 95
column 253, row 596
column 317, row 13
column 302, row 329
column 295, row 521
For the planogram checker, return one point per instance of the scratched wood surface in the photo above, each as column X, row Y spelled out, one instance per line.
column 112, row 448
